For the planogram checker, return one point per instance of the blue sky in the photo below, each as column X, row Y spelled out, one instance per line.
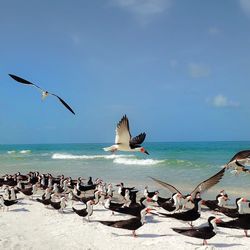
column 180, row 70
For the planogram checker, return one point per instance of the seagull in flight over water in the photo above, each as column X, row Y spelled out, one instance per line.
column 124, row 141
column 44, row 92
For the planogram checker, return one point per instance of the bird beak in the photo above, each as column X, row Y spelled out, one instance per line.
column 146, row 152
column 245, row 200
column 218, row 220
column 148, row 210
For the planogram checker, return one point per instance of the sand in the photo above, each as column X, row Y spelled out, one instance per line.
column 30, row 225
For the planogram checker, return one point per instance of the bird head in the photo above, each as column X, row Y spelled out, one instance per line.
column 143, row 150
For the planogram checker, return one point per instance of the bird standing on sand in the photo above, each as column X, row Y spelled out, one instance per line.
column 124, row 140
column 88, row 211
column 205, row 232
column 6, row 203
column 130, row 224
column 44, row 92
column 189, row 215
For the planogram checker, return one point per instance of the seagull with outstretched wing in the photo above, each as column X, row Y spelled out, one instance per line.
column 44, row 93
column 124, row 141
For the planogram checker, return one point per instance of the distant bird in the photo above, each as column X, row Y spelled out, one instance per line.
column 124, row 140
column 200, row 188
column 204, row 232
column 44, row 92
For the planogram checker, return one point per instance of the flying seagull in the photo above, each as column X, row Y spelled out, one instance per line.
column 44, row 92
column 200, row 188
column 124, row 141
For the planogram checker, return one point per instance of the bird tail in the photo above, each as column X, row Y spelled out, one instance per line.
column 107, row 223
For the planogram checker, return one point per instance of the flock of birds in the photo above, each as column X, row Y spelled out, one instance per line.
column 59, row 192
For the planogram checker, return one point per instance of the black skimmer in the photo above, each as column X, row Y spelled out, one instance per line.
column 239, row 168
column 148, row 194
column 60, row 205
column 6, row 203
column 88, row 211
column 122, row 189
column 124, row 141
column 242, row 222
column 234, row 212
column 171, row 204
column 133, row 209
column 242, row 156
column 45, row 202
column 203, row 232
column 202, row 187
column 189, row 215
column 44, row 92
column 130, row 224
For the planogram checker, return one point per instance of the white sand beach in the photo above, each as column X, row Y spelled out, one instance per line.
column 30, row 225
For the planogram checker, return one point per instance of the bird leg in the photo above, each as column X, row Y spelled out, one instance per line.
column 245, row 231
column 204, row 242
column 134, row 234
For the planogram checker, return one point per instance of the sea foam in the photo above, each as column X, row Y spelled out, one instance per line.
column 127, row 161
column 59, row 156
column 27, row 151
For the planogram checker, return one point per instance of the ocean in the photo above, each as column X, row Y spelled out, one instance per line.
column 182, row 164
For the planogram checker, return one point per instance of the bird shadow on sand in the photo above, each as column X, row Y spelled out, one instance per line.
column 221, row 245
column 19, row 210
column 237, row 236
column 143, row 235
column 23, row 203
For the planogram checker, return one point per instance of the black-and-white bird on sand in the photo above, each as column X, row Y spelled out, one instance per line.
column 45, row 93
column 203, row 232
column 130, row 224
column 124, row 141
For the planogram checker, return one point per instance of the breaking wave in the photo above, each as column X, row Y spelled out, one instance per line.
column 127, row 161
column 58, row 156
column 26, row 151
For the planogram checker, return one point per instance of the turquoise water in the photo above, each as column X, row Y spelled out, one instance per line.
column 183, row 164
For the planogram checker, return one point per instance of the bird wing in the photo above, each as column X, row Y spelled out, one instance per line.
column 210, row 182
column 23, row 81
column 170, row 187
column 242, row 155
column 137, row 140
column 64, row 103
column 122, row 131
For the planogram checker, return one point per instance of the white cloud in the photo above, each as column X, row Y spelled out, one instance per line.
column 213, row 31
column 143, row 10
column 221, row 101
column 245, row 6
column 197, row 70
